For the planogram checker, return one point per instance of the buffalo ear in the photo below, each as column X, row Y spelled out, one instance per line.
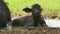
column 28, row 10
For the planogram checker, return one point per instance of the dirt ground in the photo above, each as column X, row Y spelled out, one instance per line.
column 37, row 30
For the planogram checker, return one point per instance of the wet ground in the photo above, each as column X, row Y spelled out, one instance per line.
column 37, row 30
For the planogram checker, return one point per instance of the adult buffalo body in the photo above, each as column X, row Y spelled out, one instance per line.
column 4, row 14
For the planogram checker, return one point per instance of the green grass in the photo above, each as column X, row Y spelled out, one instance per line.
column 50, row 6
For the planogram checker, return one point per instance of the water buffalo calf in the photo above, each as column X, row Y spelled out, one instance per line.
column 36, row 13
column 32, row 20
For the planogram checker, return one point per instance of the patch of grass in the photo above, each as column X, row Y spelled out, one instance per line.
column 50, row 6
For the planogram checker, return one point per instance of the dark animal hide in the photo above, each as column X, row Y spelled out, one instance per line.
column 4, row 14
